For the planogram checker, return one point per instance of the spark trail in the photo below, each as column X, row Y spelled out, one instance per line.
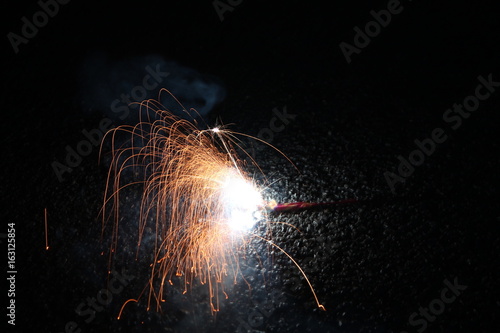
column 196, row 199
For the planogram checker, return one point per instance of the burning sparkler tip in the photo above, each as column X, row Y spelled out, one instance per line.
column 198, row 196
column 271, row 205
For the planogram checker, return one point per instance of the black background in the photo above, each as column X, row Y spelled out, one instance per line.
column 373, row 263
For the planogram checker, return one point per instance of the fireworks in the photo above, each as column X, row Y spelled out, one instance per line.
column 196, row 198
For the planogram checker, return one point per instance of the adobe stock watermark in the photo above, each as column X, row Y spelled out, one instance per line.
column 425, row 315
column 88, row 308
column 372, row 29
column 29, row 29
column 276, row 125
column 223, row 6
column 93, row 137
column 419, row 319
column 454, row 118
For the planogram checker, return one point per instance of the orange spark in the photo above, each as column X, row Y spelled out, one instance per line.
column 195, row 197
column 46, row 232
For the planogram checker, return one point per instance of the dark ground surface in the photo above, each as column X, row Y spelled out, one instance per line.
column 373, row 263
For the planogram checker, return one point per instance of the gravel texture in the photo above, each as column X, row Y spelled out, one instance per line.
column 372, row 263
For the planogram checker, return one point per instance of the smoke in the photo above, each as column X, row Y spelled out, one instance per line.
column 113, row 86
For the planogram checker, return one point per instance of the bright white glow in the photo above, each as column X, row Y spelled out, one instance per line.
column 241, row 201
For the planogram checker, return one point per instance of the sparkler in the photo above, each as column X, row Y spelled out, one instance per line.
column 196, row 198
column 298, row 206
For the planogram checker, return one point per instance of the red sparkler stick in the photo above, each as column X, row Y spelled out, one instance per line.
column 297, row 206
